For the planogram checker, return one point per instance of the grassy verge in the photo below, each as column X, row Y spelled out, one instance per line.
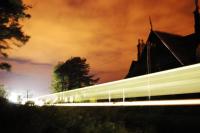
column 24, row 119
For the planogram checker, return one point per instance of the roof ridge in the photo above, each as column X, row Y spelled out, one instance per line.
column 163, row 32
column 165, row 44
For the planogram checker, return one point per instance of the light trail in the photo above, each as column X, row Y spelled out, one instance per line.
column 184, row 80
column 189, row 102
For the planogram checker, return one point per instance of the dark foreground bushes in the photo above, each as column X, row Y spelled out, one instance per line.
column 25, row 119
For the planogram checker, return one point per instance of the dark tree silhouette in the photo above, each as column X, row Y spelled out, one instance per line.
column 74, row 73
column 11, row 13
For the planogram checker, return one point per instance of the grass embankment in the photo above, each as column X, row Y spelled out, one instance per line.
column 24, row 119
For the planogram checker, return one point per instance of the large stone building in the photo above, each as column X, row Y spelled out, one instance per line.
column 163, row 51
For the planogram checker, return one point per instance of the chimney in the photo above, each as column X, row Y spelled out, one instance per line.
column 197, row 18
column 140, row 48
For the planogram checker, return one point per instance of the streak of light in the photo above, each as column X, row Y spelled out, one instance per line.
column 184, row 80
column 136, row 103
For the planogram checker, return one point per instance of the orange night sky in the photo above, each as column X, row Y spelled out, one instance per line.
column 103, row 31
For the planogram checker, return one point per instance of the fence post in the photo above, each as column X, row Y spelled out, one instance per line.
column 109, row 97
column 123, row 95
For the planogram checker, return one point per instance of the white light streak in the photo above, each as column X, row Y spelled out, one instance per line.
column 137, row 103
column 184, row 80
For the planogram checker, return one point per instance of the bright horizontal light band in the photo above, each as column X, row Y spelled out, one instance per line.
column 138, row 103
column 184, row 80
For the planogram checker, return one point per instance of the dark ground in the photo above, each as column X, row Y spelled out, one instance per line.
column 24, row 119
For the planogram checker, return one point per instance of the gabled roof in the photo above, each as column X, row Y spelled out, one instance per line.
column 183, row 48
